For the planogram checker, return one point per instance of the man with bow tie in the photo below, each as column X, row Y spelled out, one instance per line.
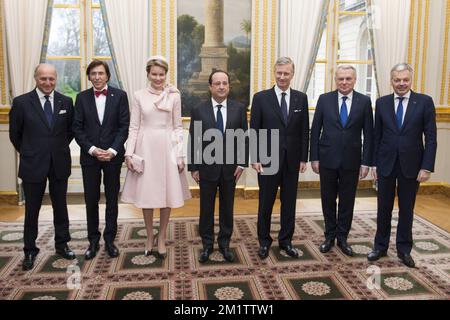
column 41, row 131
column 100, row 126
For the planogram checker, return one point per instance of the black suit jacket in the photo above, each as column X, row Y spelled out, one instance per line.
column 112, row 133
column 236, row 119
column 336, row 146
column 407, row 143
column 293, row 137
column 38, row 144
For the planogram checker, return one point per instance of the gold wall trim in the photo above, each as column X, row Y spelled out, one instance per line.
column 264, row 48
column 329, row 43
column 335, row 44
column 411, row 31
column 255, row 46
column 172, row 41
column 310, row 185
column 442, row 114
column 433, row 188
column 4, row 115
column 9, row 198
column 154, row 27
column 164, row 27
column 418, row 44
column 273, row 35
column 2, row 57
column 425, row 45
column 445, row 58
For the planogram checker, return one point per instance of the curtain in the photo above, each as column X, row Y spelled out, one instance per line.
column 24, row 24
column 389, row 28
column 301, row 27
column 129, row 30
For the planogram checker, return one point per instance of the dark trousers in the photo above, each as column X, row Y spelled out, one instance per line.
column 34, row 193
column 91, row 182
column 208, row 191
column 406, row 191
column 334, row 183
column 268, row 187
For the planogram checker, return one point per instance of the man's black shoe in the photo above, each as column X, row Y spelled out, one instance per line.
column 290, row 251
column 227, row 254
column 407, row 260
column 91, row 252
column 263, row 252
column 66, row 253
column 376, row 254
column 326, row 246
column 204, row 255
column 112, row 250
column 28, row 261
column 345, row 248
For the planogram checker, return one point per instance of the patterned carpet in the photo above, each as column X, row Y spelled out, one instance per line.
column 313, row 276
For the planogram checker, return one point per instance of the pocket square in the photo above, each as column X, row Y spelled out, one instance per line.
column 138, row 163
column 297, row 110
column 62, row 111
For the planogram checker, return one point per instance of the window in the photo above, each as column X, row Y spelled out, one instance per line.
column 346, row 23
column 77, row 36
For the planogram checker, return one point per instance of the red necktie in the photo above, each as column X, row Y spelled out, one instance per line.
column 98, row 93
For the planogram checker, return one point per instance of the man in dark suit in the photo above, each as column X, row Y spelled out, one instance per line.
column 283, row 112
column 402, row 121
column 227, row 120
column 101, row 125
column 41, row 130
column 338, row 155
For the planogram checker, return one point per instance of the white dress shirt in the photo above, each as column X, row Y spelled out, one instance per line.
column 278, row 92
column 405, row 106
column 42, row 99
column 100, row 103
column 348, row 102
column 404, row 103
column 223, row 110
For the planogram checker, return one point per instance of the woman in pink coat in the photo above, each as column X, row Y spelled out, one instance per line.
column 154, row 154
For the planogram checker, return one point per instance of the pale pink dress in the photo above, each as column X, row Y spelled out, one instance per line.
column 156, row 134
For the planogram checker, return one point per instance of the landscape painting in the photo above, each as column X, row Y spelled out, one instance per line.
column 213, row 34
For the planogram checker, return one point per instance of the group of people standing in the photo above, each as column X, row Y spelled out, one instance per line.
column 345, row 144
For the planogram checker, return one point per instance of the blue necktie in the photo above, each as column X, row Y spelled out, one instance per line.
column 219, row 120
column 344, row 112
column 284, row 110
column 48, row 110
column 400, row 112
